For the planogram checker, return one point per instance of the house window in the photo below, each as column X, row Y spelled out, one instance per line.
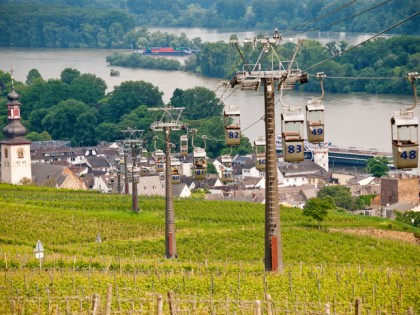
column 6, row 153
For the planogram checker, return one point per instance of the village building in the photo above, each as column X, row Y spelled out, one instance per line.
column 400, row 193
column 15, row 158
column 56, row 176
column 301, row 174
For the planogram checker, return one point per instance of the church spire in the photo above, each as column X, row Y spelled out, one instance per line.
column 14, row 129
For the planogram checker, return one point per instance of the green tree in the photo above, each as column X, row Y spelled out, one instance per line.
column 378, row 166
column 340, row 196
column 71, row 120
column 409, row 217
column 68, row 75
column 140, row 118
column 317, row 209
column 128, row 96
column 108, row 132
column 43, row 94
column 32, row 75
column 35, row 136
column 199, row 102
column 88, row 88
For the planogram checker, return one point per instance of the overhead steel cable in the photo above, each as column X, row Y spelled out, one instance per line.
column 344, row 19
column 365, row 78
column 253, row 124
column 361, row 43
column 319, row 18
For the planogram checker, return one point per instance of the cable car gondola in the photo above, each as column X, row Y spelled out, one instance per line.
column 175, row 171
column 184, row 145
column 404, row 132
column 315, row 121
column 144, row 169
column 292, row 135
column 159, row 160
column 200, row 163
column 232, row 126
column 315, row 116
column 259, row 153
column 405, row 145
column 226, row 169
column 292, row 121
column 200, row 158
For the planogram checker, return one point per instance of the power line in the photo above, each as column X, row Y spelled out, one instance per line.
column 321, row 17
column 347, row 18
column 361, row 43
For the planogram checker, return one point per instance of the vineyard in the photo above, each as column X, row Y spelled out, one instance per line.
column 220, row 268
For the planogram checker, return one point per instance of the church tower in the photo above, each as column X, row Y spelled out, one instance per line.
column 15, row 149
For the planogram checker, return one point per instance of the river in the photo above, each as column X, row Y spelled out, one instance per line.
column 352, row 120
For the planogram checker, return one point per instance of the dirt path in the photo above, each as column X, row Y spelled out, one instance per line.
column 395, row 235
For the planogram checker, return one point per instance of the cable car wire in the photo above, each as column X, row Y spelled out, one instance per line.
column 365, row 78
column 319, row 18
column 261, row 118
column 344, row 19
column 361, row 43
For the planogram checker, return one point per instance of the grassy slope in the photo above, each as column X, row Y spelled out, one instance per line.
column 220, row 246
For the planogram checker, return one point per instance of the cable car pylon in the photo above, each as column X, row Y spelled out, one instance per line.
column 170, row 120
column 132, row 144
column 250, row 79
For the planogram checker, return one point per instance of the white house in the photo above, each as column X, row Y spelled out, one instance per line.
column 300, row 174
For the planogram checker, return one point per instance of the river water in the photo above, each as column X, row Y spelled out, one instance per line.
column 352, row 120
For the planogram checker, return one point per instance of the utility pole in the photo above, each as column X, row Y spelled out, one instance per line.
column 169, row 121
column 250, row 79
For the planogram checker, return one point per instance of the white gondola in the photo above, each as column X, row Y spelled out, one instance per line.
column 315, row 121
column 226, row 169
column 200, row 163
column 232, row 126
column 405, row 144
column 259, row 153
column 184, row 145
column 175, row 171
column 292, row 122
column 159, row 160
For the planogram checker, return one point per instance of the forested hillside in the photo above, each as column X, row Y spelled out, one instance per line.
column 32, row 25
column 106, row 23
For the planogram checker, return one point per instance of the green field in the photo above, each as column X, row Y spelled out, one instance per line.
column 220, row 266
